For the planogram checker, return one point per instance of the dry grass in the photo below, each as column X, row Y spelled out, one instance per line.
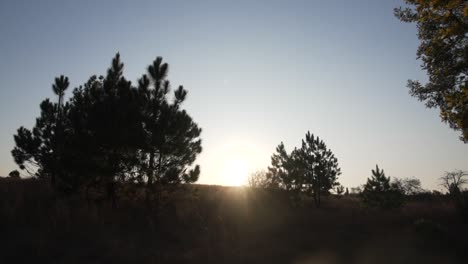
column 214, row 224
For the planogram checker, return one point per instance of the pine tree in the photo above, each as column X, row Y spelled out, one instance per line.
column 34, row 149
column 321, row 169
column 171, row 138
column 109, row 131
column 284, row 170
column 378, row 182
column 312, row 169
column 379, row 192
column 59, row 87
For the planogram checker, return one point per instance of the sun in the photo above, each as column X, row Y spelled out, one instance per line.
column 235, row 170
column 235, row 159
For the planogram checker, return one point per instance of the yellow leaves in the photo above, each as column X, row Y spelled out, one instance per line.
column 453, row 3
column 455, row 110
column 441, row 4
column 442, row 31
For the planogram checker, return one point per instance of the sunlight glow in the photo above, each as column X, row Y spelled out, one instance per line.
column 235, row 171
column 234, row 160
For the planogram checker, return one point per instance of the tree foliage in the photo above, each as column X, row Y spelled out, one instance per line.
column 379, row 192
column 442, row 30
column 409, row 186
column 285, row 169
column 262, row 179
column 454, row 180
column 320, row 167
column 111, row 131
column 312, row 170
column 14, row 174
column 171, row 137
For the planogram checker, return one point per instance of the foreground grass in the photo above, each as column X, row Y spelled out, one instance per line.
column 214, row 224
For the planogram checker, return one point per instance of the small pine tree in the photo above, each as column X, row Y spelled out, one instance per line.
column 378, row 181
column 378, row 192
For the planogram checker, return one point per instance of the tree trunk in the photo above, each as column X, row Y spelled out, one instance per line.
column 317, row 197
column 319, row 201
column 149, row 182
column 159, row 166
column 111, row 193
column 151, row 168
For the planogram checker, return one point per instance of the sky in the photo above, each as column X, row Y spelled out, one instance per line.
column 258, row 73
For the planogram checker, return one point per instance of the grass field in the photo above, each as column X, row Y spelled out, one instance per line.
column 214, row 224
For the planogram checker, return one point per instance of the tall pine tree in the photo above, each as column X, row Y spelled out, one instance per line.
column 320, row 165
column 110, row 131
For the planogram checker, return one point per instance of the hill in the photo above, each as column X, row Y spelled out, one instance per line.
column 215, row 224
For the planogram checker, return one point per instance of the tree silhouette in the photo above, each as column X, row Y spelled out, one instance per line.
column 312, row 169
column 106, row 108
column 379, row 192
column 14, row 174
column 110, row 131
column 442, row 29
column 59, row 87
column 262, row 179
column 285, row 170
column 409, row 186
column 34, row 149
column 171, row 138
column 454, row 180
column 320, row 166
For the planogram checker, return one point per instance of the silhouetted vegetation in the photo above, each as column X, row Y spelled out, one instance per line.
column 113, row 165
column 261, row 179
column 380, row 192
column 409, row 186
column 14, row 174
column 453, row 182
column 339, row 190
column 442, row 29
column 110, row 131
column 213, row 224
column 312, row 170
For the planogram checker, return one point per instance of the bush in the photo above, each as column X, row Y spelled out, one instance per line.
column 14, row 174
column 261, row 179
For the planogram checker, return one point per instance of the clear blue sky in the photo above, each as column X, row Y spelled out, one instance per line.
column 257, row 72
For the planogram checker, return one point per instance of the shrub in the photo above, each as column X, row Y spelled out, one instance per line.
column 14, row 174
column 263, row 180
